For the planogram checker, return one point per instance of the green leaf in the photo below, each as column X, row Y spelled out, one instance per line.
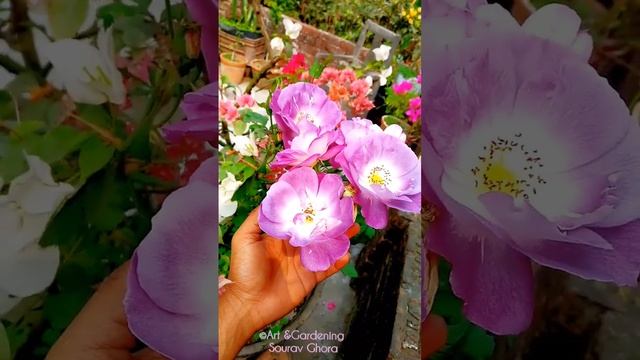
column 316, row 69
column 105, row 208
column 350, row 271
column 96, row 115
column 109, row 13
column 61, row 308
column 59, row 143
column 66, row 16
column 12, row 162
column 140, row 146
column 68, row 226
column 135, row 30
column 94, row 155
column 7, row 107
column 478, row 344
column 5, row 348
column 239, row 127
column 406, row 72
column 254, row 117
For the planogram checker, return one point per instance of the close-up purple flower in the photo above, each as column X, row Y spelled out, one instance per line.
column 200, row 108
column 451, row 21
column 303, row 105
column 307, row 148
column 532, row 158
column 309, row 211
column 383, row 169
column 171, row 291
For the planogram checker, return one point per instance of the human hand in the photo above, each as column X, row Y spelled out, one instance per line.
column 100, row 331
column 268, row 282
column 433, row 335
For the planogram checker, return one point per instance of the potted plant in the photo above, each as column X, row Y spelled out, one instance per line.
column 232, row 66
column 240, row 30
column 242, row 22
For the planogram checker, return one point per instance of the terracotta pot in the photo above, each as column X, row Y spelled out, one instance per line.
column 233, row 67
column 258, row 65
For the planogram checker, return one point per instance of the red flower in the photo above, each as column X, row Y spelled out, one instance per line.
column 296, row 63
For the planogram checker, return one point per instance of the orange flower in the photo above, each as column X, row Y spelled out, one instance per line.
column 338, row 92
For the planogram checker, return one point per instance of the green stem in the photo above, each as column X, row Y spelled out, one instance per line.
column 22, row 35
column 167, row 4
column 10, row 65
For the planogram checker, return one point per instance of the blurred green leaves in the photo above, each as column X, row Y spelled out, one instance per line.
column 5, row 348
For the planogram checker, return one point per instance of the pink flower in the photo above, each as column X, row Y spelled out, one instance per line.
column 245, row 101
column 329, row 74
column 309, row 211
column 360, row 88
column 347, row 75
column 402, row 87
column 415, row 109
column 361, row 105
column 228, row 111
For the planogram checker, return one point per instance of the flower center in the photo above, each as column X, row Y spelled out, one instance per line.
column 303, row 115
column 379, row 175
column 510, row 167
column 309, row 214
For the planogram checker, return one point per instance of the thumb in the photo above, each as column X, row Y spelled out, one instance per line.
column 100, row 330
column 249, row 232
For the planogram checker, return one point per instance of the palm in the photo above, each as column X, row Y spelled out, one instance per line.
column 270, row 275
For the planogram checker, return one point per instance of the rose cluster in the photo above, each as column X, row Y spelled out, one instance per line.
column 313, row 210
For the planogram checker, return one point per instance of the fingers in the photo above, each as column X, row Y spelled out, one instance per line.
column 353, row 231
column 433, row 335
column 249, row 231
column 100, row 331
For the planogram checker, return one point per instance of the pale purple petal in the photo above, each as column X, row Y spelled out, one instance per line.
column 320, row 255
column 495, row 282
column 178, row 336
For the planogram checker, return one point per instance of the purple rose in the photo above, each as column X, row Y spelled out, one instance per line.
column 171, row 300
column 530, row 157
column 308, row 210
column 307, row 148
column 382, row 168
column 201, row 110
column 302, row 106
column 451, row 21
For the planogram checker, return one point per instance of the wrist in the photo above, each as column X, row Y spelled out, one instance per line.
column 236, row 325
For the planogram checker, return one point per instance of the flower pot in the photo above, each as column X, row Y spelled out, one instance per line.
column 258, row 66
column 247, row 47
column 233, row 67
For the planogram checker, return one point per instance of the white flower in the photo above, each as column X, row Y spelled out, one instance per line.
column 369, row 80
column 226, row 189
column 277, row 45
column 382, row 53
column 384, row 75
column 260, row 96
column 291, row 28
column 89, row 74
column 25, row 267
column 245, row 145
